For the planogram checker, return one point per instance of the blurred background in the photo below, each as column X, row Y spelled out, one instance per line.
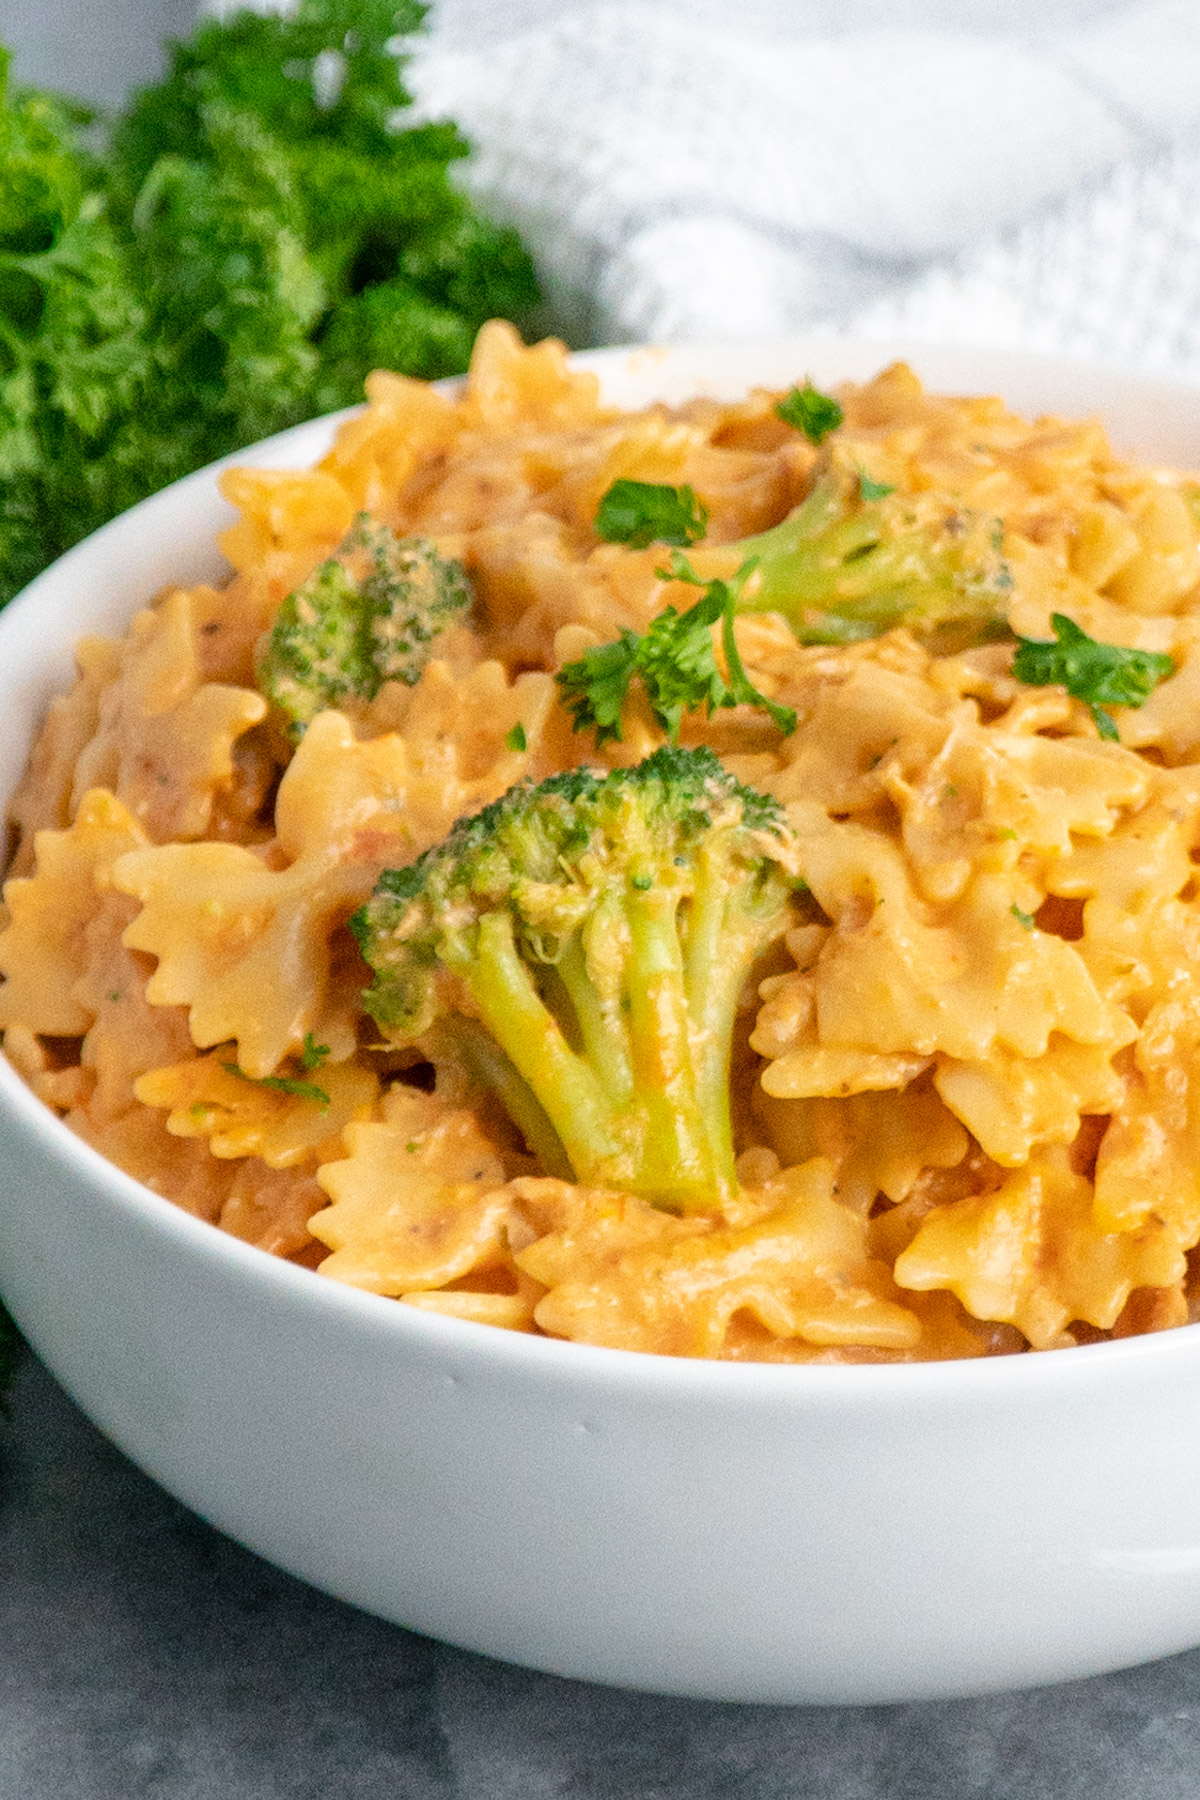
column 1024, row 172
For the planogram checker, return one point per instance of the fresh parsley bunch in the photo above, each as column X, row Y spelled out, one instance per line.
column 259, row 231
column 74, row 359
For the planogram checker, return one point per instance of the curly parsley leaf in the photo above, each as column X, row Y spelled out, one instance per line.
column 1101, row 675
column 283, row 1084
column 810, row 411
column 640, row 513
column 674, row 662
column 313, row 1054
column 596, row 686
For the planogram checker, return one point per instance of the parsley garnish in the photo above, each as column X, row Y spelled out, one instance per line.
column 1022, row 918
column 595, row 687
column 283, row 1084
column 873, row 490
column 1101, row 675
column 640, row 513
column 516, row 739
column 810, row 411
column 313, row 1054
column 674, row 662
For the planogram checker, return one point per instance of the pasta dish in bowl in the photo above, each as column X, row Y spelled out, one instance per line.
column 708, row 877
column 953, row 1059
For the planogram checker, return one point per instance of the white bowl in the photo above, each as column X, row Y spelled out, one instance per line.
column 743, row 1532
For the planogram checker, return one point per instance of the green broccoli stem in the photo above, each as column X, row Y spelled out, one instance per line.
column 601, row 1022
column 511, row 1008
column 492, row 1069
column 643, row 1104
column 841, row 569
column 677, row 1150
column 724, row 941
column 818, row 561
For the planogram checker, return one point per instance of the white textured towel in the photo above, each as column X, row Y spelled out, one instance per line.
column 698, row 170
column 1113, row 275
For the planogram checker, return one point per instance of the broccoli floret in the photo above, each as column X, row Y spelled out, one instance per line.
column 367, row 616
column 587, row 940
column 856, row 559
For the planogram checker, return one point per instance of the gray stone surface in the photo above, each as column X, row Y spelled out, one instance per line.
column 145, row 1657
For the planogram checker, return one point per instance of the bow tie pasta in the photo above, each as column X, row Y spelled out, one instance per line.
column 718, row 880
